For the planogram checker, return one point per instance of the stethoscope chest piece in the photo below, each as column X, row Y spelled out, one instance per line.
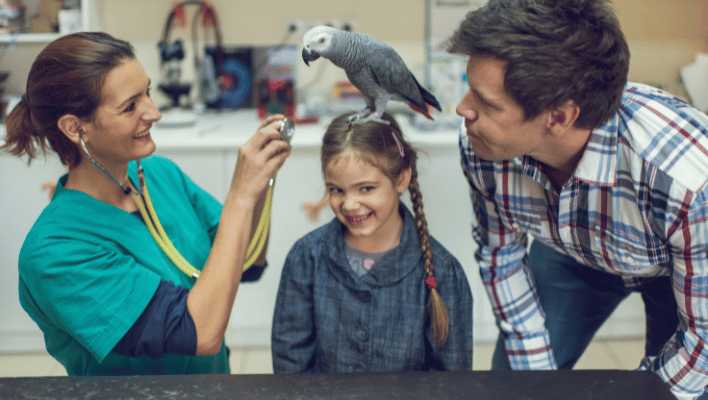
column 287, row 129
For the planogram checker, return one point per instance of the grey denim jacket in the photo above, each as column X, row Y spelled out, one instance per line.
column 328, row 319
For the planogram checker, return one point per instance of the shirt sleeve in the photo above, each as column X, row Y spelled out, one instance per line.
column 98, row 301
column 683, row 362
column 293, row 336
column 165, row 326
column 504, row 268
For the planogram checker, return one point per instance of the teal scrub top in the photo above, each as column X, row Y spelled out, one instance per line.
column 88, row 269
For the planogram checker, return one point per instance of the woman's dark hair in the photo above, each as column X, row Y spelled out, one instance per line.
column 375, row 143
column 554, row 51
column 66, row 78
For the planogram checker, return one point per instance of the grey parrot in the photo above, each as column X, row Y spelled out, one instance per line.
column 373, row 67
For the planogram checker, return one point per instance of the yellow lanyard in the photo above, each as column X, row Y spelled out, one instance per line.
column 141, row 197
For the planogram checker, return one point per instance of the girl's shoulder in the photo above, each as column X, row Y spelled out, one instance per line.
column 442, row 256
column 321, row 237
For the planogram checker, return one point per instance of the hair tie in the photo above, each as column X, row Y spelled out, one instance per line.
column 400, row 146
column 431, row 283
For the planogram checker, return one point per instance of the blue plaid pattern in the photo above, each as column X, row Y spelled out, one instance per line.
column 636, row 206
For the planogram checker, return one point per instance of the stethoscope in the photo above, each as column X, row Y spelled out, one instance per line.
column 141, row 197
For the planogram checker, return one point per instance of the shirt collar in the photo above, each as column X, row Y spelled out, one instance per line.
column 598, row 165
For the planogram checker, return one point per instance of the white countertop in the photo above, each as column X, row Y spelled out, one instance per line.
column 230, row 130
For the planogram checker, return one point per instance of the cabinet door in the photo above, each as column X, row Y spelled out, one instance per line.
column 298, row 181
column 205, row 167
column 448, row 211
column 21, row 201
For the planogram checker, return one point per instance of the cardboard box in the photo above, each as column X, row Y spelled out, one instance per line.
column 46, row 19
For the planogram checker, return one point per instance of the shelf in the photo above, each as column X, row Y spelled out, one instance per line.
column 28, row 37
column 90, row 19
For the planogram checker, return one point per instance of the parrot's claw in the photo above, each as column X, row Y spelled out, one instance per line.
column 351, row 120
column 371, row 118
column 364, row 116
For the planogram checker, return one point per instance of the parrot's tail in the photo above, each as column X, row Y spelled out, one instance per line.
column 425, row 112
column 428, row 98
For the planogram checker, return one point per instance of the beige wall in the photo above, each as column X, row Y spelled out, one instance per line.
column 664, row 35
column 262, row 21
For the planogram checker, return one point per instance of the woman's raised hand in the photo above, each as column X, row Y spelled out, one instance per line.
column 258, row 159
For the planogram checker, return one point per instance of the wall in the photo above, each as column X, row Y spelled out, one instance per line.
column 663, row 35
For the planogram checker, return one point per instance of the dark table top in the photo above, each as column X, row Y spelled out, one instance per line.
column 487, row 385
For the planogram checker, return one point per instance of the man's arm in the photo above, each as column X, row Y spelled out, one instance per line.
column 683, row 362
column 504, row 267
column 505, row 271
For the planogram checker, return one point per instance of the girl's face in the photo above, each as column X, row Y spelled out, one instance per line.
column 121, row 130
column 366, row 202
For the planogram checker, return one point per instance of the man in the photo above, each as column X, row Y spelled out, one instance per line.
column 607, row 177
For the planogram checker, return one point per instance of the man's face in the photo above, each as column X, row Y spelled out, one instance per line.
column 494, row 121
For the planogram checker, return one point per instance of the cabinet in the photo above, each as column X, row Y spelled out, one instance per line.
column 208, row 153
column 89, row 20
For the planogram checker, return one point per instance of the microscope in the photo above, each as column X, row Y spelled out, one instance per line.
column 181, row 111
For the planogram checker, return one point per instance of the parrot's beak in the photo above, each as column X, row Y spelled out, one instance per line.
column 309, row 55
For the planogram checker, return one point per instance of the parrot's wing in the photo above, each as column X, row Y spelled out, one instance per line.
column 392, row 74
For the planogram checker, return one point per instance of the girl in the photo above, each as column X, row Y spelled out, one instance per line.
column 371, row 290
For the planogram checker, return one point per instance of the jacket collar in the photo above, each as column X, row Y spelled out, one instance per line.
column 397, row 264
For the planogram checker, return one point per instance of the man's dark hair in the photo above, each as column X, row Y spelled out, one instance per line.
column 554, row 51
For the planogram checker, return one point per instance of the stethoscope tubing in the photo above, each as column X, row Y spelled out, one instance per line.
column 141, row 197
column 142, row 200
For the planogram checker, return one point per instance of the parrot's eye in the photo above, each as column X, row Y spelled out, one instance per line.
column 322, row 40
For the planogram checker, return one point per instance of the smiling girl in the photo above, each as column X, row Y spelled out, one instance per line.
column 371, row 290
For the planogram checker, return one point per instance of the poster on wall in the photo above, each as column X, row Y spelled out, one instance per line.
column 444, row 16
column 445, row 73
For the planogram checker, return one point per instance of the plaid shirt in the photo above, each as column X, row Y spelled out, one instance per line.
column 636, row 206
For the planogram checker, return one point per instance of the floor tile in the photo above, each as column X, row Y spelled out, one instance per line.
column 16, row 365
column 482, row 356
column 235, row 360
column 601, row 354
column 597, row 356
column 258, row 361
column 629, row 353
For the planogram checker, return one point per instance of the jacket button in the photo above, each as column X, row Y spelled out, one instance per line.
column 362, row 334
column 364, row 296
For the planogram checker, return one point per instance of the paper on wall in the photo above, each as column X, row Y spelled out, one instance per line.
column 695, row 79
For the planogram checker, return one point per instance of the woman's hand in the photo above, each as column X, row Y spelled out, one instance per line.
column 258, row 160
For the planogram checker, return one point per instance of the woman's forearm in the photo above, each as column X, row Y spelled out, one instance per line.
column 211, row 299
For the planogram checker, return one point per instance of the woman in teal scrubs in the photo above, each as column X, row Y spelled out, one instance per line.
column 107, row 297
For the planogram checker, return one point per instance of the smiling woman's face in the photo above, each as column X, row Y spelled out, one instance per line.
column 121, row 129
